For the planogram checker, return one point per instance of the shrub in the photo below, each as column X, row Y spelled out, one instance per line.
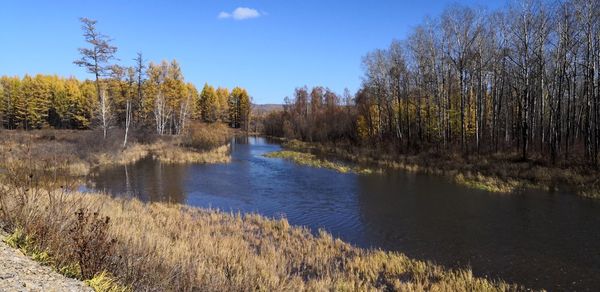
column 91, row 245
column 206, row 136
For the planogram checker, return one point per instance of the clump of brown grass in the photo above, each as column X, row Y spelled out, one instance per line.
column 201, row 143
column 131, row 154
column 201, row 136
column 90, row 242
column 167, row 153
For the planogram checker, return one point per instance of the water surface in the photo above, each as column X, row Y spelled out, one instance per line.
column 539, row 239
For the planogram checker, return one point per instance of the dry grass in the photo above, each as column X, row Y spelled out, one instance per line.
column 37, row 148
column 160, row 246
column 202, row 143
column 131, row 154
column 312, row 160
column 168, row 153
column 201, row 136
column 487, row 183
column 79, row 151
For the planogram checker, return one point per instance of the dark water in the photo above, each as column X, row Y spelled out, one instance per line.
column 538, row 239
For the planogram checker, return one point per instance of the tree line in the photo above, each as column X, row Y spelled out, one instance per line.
column 524, row 78
column 144, row 95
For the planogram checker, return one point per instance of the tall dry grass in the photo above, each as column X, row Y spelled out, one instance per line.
column 80, row 151
column 165, row 247
column 168, row 153
column 202, row 136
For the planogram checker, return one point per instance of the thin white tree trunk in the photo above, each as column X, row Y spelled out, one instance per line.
column 127, row 122
column 104, row 113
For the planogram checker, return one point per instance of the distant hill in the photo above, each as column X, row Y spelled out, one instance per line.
column 266, row 108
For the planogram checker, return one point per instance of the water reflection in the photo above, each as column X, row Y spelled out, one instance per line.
column 147, row 180
column 537, row 239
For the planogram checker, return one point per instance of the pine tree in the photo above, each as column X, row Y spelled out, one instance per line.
column 32, row 107
column 239, row 108
column 208, row 104
column 222, row 103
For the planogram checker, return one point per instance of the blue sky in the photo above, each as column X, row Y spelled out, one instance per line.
column 270, row 48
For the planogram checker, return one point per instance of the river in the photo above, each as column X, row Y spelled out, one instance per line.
column 535, row 238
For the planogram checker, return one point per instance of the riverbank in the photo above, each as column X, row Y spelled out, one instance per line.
column 502, row 173
column 162, row 246
column 59, row 153
column 312, row 160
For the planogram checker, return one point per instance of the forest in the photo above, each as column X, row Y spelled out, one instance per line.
column 465, row 159
column 148, row 96
column 523, row 79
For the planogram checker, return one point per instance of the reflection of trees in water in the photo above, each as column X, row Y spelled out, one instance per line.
column 128, row 191
column 148, row 180
column 169, row 179
column 242, row 140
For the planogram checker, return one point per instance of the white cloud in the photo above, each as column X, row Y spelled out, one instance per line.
column 224, row 15
column 241, row 13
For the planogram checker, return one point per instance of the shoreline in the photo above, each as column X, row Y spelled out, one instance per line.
column 493, row 173
column 75, row 153
column 265, row 253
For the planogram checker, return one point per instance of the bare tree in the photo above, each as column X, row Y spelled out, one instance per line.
column 127, row 121
column 128, row 103
column 105, row 112
column 162, row 113
column 139, row 68
column 525, row 26
column 399, row 88
column 184, row 112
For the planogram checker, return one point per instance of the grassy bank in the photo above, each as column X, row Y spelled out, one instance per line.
column 174, row 154
column 478, row 181
column 312, row 160
column 75, row 153
column 503, row 173
column 160, row 246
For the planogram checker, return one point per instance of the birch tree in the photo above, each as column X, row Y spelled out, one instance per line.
column 105, row 112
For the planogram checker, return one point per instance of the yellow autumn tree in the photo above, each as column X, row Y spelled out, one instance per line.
column 208, row 104
column 222, row 103
column 239, row 108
